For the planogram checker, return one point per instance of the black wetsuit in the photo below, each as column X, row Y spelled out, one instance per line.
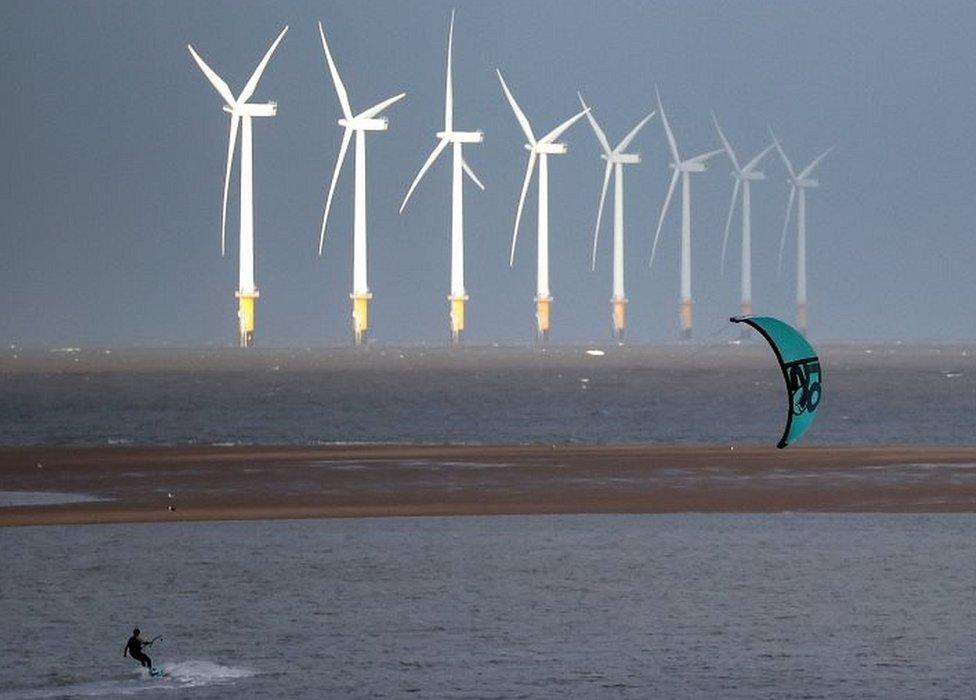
column 134, row 648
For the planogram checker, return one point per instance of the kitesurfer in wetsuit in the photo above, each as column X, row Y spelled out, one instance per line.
column 134, row 646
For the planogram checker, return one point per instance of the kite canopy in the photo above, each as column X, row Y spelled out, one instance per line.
column 801, row 370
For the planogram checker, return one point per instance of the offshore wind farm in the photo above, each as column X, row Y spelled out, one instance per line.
column 480, row 421
column 372, row 119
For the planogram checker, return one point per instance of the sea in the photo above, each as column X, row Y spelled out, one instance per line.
column 589, row 606
column 718, row 394
column 781, row 605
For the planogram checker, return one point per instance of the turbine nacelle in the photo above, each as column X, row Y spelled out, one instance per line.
column 365, row 124
column 807, row 183
column 690, row 166
column 259, row 109
column 622, row 158
column 542, row 147
column 461, row 136
column 748, row 175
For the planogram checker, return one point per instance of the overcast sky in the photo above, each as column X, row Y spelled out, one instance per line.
column 113, row 145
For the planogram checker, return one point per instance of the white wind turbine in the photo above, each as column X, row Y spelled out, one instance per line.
column 367, row 120
column 456, row 139
column 241, row 112
column 539, row 150
column 683, row 168
column 616, row 159
column 744, row 176
column 798, row 181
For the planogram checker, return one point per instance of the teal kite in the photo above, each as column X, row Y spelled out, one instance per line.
column 801, row 370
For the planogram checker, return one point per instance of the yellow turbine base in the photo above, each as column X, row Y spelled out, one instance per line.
column 457, row 317
column 360, row 316
column 686, row 318
column 542, row 315
column 746, row 308
column 619, row 317
column 245, row 317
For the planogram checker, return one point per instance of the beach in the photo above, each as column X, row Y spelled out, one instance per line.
column 162, row 484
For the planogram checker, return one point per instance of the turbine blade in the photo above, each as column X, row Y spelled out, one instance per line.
column 379, row 107
column 430, row 160
column 727, row 145
column 235, row 122
column 346, row 136
column 449, row 91
column 470, row 172
column 558, row 131
column 664, row 211
column 728, row 221
column 667, row 129
column 600, row 135
column 252, row 83
column 622, row 146
column 214, row 79
column 755, row 161
column 518, row 212
column 786, row 223
column 336, row 80
column 705, row 156
column 519, row 114
column 599, row 212
column 809, row 169
column 782, row 154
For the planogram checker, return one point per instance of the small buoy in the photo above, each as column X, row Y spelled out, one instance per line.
column 172, row 508
column 40, row 466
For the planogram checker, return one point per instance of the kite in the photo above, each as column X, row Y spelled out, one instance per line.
column 801, row 370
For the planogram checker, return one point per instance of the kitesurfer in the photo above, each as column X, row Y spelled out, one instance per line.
column 134, row 647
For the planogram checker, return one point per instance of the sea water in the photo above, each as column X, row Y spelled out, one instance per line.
column 725, row 394
column 622, row 606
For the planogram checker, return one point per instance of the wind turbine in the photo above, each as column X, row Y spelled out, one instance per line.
column 798, row 182
column 367, row 120
column 744, row 176
column 616, row 159
column 538, row 150
column 241, row 112
column 456, row 139
column 684, row 168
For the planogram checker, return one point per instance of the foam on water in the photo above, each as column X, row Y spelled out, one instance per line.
column 177, row 676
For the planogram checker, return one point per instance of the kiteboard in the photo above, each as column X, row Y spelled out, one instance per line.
column 156, row 672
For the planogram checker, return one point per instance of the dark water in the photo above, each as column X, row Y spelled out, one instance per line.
column 747, row 606
column 716, row 394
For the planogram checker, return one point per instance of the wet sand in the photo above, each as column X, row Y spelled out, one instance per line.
column 242, row 483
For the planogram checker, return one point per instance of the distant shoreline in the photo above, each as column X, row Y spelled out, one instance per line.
column 272, row 482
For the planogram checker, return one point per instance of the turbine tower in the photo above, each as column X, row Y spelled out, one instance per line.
column 241, row 112
column 798, row 182
column 616, row 159
column 367, row 120
column 456, row 139
column 538, row 150
column 684, row 168
column 744, row 176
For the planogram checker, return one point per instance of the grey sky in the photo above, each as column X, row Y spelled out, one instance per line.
column 113, row 146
